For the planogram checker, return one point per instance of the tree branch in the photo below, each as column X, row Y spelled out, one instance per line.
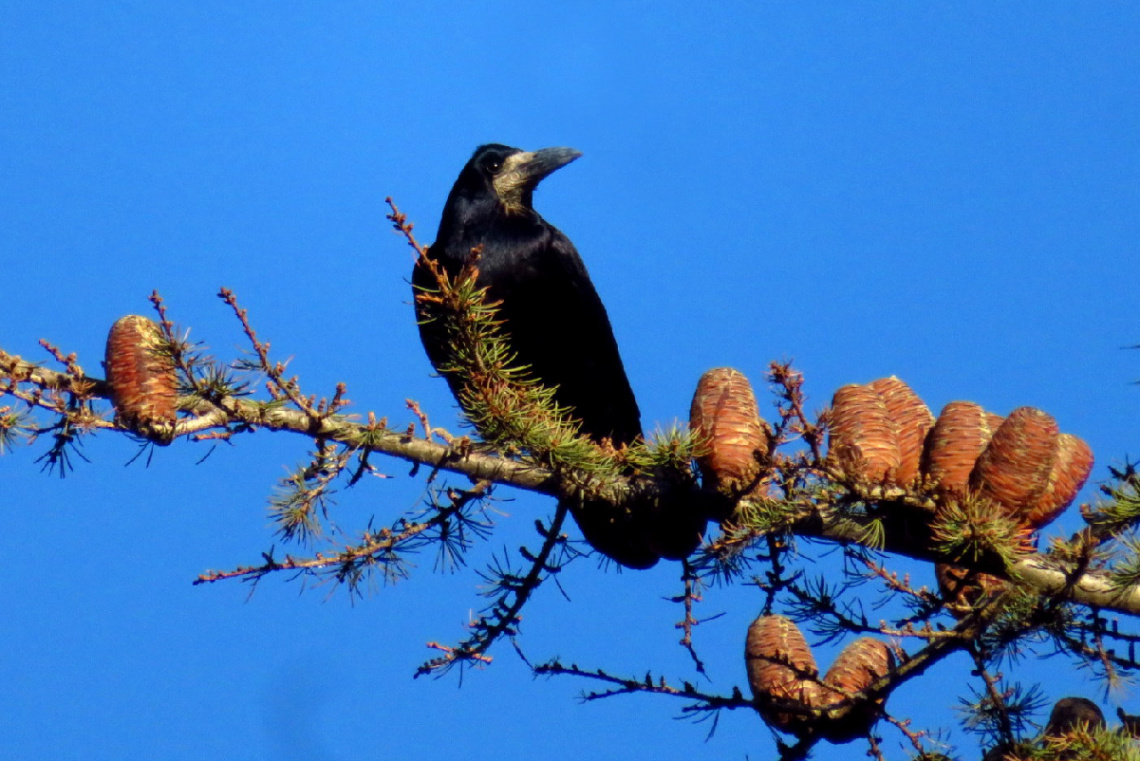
column 815, row 517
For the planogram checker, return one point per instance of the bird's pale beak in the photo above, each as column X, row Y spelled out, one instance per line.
column 535, row 165
column 523, row 171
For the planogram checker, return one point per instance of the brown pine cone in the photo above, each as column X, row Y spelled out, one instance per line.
column 958, row 438
column 1071, row 469
column 782, row 674
column 725, row 418
column 963, row 588
column 913, row 419
column 142, row 378
column 1013, row 470
column 862, row 438
column 858, row 666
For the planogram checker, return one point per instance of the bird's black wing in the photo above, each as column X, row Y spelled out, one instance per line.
column 558, row 327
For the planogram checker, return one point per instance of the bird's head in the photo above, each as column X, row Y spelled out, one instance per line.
column 513, row 174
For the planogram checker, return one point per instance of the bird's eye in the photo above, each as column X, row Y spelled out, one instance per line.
column 493, row 164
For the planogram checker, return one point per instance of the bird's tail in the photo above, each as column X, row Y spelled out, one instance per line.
column 638, row 536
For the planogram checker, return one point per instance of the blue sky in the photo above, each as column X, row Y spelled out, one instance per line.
column 950, row 194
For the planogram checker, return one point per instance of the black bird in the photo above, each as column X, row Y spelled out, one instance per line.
column 555, row 323
column 1068, row 713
